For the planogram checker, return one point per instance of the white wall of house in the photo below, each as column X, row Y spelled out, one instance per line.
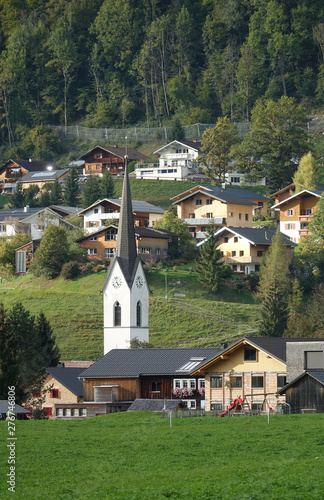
column 291, row 229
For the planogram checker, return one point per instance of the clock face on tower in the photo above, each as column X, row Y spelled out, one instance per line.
column 139, row 282
column 116, row 282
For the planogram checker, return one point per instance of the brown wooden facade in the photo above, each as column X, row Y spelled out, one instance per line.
column 304, row 394
column 100, row 160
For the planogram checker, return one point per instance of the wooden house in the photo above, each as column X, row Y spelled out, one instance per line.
column 243, row 248
column 251, row 368
column 111, row 159
column 95, row 216
column 41, row 179
column 220, row 206
column 123, row 375
column 296, row 212
column 152, row 244
column 13, row 170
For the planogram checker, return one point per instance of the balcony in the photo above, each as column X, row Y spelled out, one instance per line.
column 304, row 232
column 113, row 215
column 146, row 165
column 241, row 260
column 304, row 218
column 204, row 221
column 178, row 156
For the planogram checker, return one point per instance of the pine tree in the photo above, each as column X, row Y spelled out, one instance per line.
column 17, row 199
column 273, row 289
column 305, row 176
column 71, row 188
column 56, row 193
column 90, row 191
column 107, row 188
column 211, row 271
column 48, row 351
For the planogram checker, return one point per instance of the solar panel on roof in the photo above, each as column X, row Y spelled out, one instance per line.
column 43, row 174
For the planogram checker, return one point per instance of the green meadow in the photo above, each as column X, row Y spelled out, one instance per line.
column 188, row 317
column 139, row 456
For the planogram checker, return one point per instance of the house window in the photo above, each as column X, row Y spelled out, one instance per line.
column 233, row 253
column 156, row 386
column 83, row 412
column 290, row 226
column 184, row 384
column 98, row 155
column 191, row 216
column 216, row 406
column 257, row 381
column 250, row 355
column 198, row 202
column 158, row 251
column 237, row 381
column 241, row 253
column 109, row 253
column 75, row 412
column 96, row 211
column 111, row 234
column 93, row 238
column 49, row 410
column 98, row 167
column 209, row 215
column 190, row 404
column 259, row 253
column 240, row 216
column 92, row 251
column 138, row 313
column 235, row 239
column 67, row 412
column 201, row 383
column 314, row 360
column 226, row 239
column 209, row 202
column 281, row 380
column 246, row 216
column 230, row 214
column 117, row 314
column 177, row 384
column 165, row 251
column 54, row 393
column 216, row 382
column 146, row 250
column 290, row 213
column 59, row 412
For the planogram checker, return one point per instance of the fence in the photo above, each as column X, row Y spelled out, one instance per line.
column 160, row 134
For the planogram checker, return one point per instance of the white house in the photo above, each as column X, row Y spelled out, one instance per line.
column 144, row 213
column 177, row 160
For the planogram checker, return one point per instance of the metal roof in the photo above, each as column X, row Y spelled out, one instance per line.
column 18, row 213
column 256, row 236
column 68, row 377
column 137, row 206
column 32, row 165
column 4, row 407
column 137, row 362
column 43, row 176
column 116, row 151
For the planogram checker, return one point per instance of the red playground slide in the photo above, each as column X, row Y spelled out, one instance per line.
column 234, row 405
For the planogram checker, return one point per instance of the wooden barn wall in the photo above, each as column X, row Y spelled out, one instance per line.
column 306, row 393
column 128, row 389
column 166, row 388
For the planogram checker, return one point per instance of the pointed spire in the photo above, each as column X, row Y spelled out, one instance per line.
column 126, row 246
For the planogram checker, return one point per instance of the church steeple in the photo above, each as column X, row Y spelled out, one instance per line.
column 126, row 292
column 126, row 245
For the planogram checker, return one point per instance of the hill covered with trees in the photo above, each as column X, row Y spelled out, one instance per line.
column 103, row 63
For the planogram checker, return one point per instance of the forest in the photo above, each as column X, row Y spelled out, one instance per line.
column 108, row 63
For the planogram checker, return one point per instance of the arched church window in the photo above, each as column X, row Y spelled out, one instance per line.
column 117, row 314
column 138, row 313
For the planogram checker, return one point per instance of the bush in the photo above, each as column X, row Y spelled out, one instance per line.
column 70, row 270
column 98, row 268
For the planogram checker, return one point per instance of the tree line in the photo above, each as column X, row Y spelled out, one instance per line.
column 103, row 63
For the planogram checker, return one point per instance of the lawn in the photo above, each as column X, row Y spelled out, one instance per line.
column 138, row 456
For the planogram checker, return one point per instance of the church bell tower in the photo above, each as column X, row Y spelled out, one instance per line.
column 125, row 292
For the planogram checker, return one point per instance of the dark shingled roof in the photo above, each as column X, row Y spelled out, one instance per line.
column 4, row 407
column 276, row 345
column 143, row 232
column 137, row 206
column 33, row 165
column 154, row 405
column 227, row 195
column 257, row 236
column 137, row 362
column 18, row 213
column 120, row 152
column 68, row 377
column 315, row 374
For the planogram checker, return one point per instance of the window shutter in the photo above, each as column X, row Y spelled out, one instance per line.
column 294, row 212
column 294, row 226
column 286, row 226
column 312, row 210
column 286, row 213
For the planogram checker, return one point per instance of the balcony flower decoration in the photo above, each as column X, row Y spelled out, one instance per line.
column 202, row 392
column 182, row 393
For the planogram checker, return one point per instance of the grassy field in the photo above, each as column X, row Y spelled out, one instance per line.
column 75, row 310
column 138, row 456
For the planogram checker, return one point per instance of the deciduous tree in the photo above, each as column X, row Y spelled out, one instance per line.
column 305, row 176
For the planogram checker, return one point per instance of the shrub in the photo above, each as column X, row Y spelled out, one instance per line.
column 70, row 270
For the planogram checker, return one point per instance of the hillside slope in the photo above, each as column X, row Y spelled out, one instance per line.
column 189, row 317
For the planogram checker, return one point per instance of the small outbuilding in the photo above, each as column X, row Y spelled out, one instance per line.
column 305, row 394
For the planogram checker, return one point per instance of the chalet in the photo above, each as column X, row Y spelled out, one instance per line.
column 252, row 368
column 152, row 244
column 103, row 159
column 95, row 216
column 288, row 191
column 296, row 212
column 305, row 374
column 177, row 160
column 13, row 170
column 41, row 179
column 221, row 206
column 243, row 248
column 123, row 375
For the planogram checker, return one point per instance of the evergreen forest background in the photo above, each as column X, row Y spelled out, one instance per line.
column 149, row 62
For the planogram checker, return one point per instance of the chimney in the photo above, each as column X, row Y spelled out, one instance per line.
column 223, row 185
column 115, row 145
column 30, row 160
column 26, row 208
